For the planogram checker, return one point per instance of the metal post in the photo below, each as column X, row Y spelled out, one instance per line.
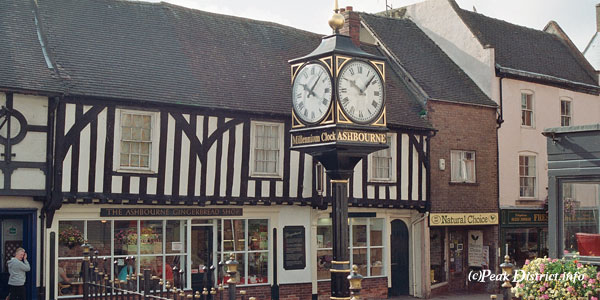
column 243, row 294
column 232, row 265
column 85, row 268
column 205, row 293
column 147, row 275
column 340, row 265
column 507, row 268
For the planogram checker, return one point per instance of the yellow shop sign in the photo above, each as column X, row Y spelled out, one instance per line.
column 461, row 219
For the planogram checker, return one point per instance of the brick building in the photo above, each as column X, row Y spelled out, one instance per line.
column 462, row 226
column 539, row 79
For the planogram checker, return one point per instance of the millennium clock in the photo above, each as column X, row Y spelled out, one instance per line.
column 360, row 91
column 311, row 90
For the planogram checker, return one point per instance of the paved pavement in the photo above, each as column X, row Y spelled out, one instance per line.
column 453, row 296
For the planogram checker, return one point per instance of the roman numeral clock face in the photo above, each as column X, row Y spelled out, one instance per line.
column 360, row 90
column 311, row 96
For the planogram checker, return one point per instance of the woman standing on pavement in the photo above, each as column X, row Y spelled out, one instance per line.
column 17, row 266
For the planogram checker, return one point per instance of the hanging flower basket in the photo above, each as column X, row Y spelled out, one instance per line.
column 70, row 236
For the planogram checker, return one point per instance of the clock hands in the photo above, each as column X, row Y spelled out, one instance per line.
column 353, row 83
column 366, row 85
column 313, row 87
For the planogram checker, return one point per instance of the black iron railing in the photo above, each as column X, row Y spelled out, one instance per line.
column 97, row 284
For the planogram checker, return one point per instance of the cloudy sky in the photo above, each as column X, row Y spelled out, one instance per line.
column 576, row 17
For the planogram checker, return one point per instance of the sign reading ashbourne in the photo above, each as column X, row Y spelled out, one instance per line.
column 458, row 219
column 338, row 135
column 167, row 212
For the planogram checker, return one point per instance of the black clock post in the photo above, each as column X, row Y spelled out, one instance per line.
column 341, row 130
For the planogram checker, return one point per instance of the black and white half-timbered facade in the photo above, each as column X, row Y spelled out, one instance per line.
column 160, row 133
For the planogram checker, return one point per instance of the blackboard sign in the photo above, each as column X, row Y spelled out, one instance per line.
column 294, row 248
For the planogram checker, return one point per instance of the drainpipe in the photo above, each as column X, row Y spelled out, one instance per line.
column 499, row 121
column 412, row 232
column 49, row 179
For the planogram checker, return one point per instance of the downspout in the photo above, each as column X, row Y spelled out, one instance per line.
column 49, row 179
column 412, row 232
column 499, row 121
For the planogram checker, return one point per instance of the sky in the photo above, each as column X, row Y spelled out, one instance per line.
column 576, row 17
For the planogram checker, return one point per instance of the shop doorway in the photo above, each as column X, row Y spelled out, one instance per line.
column 202, row 255
column 399, row 254
column 18, row 230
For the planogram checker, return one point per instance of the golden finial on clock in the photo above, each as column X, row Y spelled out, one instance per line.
column 337, row 20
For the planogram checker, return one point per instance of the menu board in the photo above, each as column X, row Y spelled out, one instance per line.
column 294, row 248
column 476, row 248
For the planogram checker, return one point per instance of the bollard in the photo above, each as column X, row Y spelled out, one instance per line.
column 231, row 265
column 507, row 268
column 355, row 280
column 243, row 294
column 493, row 297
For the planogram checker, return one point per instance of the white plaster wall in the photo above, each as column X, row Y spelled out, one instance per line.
column 441, row 23
column 295, row 216
column 514, row 139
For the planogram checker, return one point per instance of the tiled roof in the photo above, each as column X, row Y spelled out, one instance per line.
column 430, row 67
column 22, row 63
column 527, row 49
column 163, row 53
column 402, row 106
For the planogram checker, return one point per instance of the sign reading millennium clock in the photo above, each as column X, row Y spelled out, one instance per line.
column 338, row 117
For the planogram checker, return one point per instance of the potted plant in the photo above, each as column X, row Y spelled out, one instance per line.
column 547, row 278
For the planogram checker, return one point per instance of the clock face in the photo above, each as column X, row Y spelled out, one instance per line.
column 360, row 91
column 311, row 90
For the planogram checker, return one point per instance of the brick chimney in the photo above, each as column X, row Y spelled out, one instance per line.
column 598, row 17
column 351, row 25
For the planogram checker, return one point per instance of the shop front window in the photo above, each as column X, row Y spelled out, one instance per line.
column 437, row 261
column 581, row 220
column 125, row 247
column 525, row 244
column 248, row 240
column 366, row 246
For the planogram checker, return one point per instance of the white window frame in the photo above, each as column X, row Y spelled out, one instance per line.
column 223, row 255
column 532, row 110
column 155, row 135
column 320, row 178
column 185, row 253
column 279, row 171
column 463, row 156
column 368, row 246
column 534, row 176
column 392, row 138
column 569, row 115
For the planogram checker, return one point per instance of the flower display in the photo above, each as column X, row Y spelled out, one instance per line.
column 69, row 235
column 129, row 236
column 563, row 278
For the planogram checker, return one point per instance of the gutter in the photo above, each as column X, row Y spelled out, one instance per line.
column 412, row 233
column 547, row 79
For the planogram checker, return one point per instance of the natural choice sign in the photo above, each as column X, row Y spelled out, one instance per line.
column 338, row 135
column 458, row 219
column 168, row 212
